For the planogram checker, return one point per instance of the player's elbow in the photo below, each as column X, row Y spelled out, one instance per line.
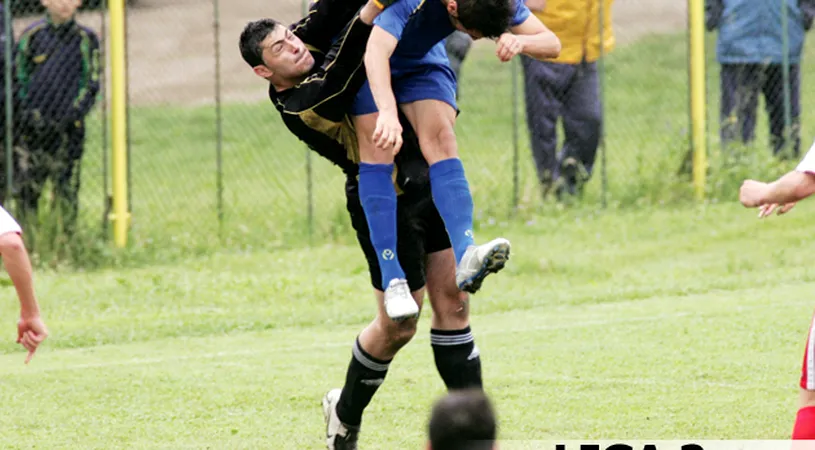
column 554, row 46
column 380, row 47
column 805, row 186
column 375, row 54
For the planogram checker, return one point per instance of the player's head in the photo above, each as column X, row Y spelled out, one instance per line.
column 481, row 18
column 274, row 52
column 61, row 10
column 462, row 420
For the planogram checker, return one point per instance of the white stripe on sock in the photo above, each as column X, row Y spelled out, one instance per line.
column 367, row 362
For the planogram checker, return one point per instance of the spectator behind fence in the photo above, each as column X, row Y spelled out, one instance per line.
column 57, row 65
column 568, row 88
column 750, row 52
column 458, row 45
column 463, row 420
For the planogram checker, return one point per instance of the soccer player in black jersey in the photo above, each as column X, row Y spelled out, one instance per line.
column 314, row 69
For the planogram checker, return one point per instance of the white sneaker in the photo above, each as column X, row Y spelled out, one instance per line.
column 399, row 303
column 338, row 435
column 480, row 261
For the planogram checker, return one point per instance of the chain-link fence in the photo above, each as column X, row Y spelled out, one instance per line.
column 756, row 77
column 54, row 140
column 211, row 164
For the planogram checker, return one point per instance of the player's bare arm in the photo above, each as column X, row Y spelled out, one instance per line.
column 786, row 191
column 31, row 330
column 388, row 132
column 530, row 38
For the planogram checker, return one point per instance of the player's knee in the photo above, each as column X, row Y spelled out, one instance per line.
column 10, row 243
column 452, row 310
column 440, row 143
column 400, row 333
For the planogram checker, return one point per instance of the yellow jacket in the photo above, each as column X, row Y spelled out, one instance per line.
column 577, row 24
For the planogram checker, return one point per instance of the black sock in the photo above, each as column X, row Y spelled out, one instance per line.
column 365, row 375
column 457, row 358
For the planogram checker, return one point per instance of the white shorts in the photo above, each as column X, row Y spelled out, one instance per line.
column 8, row 224
column 807, row 165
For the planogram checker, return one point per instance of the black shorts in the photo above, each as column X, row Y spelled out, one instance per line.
column 420, row 231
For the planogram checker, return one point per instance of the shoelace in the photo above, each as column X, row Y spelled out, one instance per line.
column 404, row 290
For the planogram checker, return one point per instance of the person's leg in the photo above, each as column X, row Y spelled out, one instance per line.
column 428, row 101
column 795, row 109
column 433, row 121
column 371, row 356
column 34, row 163
column 804, row 428
column 454, row 350
column 455, row 353
column 749, row 81
column 378, row 343
column 582, row 125
column 772, row 86
column 727, row 104
column 543, row 107
column 67, row 178
column 378, row 197
column 773, row 89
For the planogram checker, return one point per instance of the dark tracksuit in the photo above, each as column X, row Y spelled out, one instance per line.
column 750, row 51
column 57, row 71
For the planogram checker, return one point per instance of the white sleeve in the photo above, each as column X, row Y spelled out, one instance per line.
column 7, row 223
column 807, row 165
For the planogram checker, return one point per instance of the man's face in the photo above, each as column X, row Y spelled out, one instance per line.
column 284, row 56
column 61, row 10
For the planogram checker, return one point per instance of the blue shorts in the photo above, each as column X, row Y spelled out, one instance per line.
column 427, row 82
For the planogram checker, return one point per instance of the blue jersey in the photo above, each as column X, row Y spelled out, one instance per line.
column 421, row 26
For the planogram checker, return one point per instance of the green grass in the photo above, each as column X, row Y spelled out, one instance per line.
column 654, row 318
column 675, row 323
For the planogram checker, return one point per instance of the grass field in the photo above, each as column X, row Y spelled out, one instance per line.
column 652, row 319
column 676, row 323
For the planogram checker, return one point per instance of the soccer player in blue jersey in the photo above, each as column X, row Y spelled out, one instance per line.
column 408, row 68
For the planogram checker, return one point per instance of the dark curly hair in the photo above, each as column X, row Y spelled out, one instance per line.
column 489, row 17
column 254, row 33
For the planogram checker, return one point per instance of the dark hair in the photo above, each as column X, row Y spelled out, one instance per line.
column 489, row 17
column 463, row 420
column 254, row 33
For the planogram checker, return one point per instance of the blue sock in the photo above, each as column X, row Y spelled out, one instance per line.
column 451, row 194
column 378, row 197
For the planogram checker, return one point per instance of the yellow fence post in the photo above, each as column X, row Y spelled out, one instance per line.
column 120, row 215
column 696, row 9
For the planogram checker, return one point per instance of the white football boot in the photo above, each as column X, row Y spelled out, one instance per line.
column 338, row 435
column 480, row 261
column 399, row 303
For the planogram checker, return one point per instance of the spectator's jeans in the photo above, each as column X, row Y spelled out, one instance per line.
column 740, row 85
column 570, row 92
column 54, row 155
